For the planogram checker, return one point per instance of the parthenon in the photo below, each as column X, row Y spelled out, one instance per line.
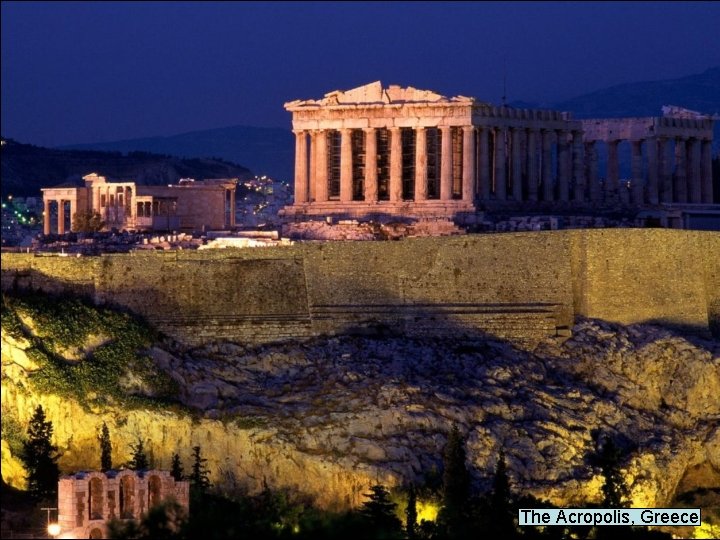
column 374, row 151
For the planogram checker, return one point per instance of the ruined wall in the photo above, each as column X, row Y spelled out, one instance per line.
column 648, row 275
column 516, row 286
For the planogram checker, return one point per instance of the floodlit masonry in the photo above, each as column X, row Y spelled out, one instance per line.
column 371, row 152
column 521, row 287
column 87, row 501
column 188, row 205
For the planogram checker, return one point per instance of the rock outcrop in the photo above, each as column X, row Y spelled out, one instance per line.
column 329, row 416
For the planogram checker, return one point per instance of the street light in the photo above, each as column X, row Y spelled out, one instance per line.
column 54, row 529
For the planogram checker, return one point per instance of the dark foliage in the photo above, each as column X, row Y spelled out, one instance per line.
column 40, row 457
column 105, row 448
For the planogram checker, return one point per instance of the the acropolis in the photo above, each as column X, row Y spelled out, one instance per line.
column 374, row 153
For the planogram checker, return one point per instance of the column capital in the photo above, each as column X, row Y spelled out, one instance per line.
column 299, row 131
column 393, row 128
column 369, row 129
column 468, row 129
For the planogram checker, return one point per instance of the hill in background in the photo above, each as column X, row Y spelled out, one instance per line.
column 27, row 168
column 269, row 151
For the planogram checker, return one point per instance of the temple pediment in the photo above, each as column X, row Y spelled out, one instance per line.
column 374, row 93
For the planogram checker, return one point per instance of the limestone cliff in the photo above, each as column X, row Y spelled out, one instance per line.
column 331, row 415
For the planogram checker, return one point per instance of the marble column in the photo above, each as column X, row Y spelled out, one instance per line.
column 312, row 196
column 532, row 165
column 301, row 176
column 46, row 216
column 591, row 158
column 517, row 190
column 636, row 180
column 420, row 164
column 613, row 172
column 371, row 178
column 232, row 208
column 61, row 217
column 346, row 193
column 73, row 211
column 680, row 176
column 578, row 166
column 651, row 150
column 468, row 174
column 706, row 172
column 395, row 165
column 96, row 199
column 547, row 179
column 446, row 164
column 694, row 168
column 484, row 163
column 500, row 179
column 321, row 167
column 564, row 166
column 665, row 153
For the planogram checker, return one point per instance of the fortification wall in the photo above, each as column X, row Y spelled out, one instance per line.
column 648, row 275
column 520, row 286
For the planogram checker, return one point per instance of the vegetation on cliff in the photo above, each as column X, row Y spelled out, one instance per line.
column 91, row 354
column 332, row 416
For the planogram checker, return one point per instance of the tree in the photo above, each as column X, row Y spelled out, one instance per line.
column 40, row 457
column 456, row 478
column 105, row 448
column 200, row 475
column 166, row 521
column 614, row 489
column 139, row 460
column 87, row 222
column 501, row 502
column 411, row 514
column 176, row 469
column 379, row 514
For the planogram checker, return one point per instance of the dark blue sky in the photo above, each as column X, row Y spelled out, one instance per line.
column 94, row 71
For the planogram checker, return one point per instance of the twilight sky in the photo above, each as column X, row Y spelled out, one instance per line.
column 77, row 72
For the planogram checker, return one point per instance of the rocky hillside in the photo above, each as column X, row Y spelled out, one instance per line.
column 27, row 168
column 331, row 415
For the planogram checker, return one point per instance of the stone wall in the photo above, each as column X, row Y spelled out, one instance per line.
column 517, row 286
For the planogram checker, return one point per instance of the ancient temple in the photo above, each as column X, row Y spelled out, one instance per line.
column 374, row 152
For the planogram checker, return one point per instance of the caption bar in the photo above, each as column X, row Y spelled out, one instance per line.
column 609, row 516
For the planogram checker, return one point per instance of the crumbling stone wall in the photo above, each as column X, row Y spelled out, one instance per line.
column 517, row 286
